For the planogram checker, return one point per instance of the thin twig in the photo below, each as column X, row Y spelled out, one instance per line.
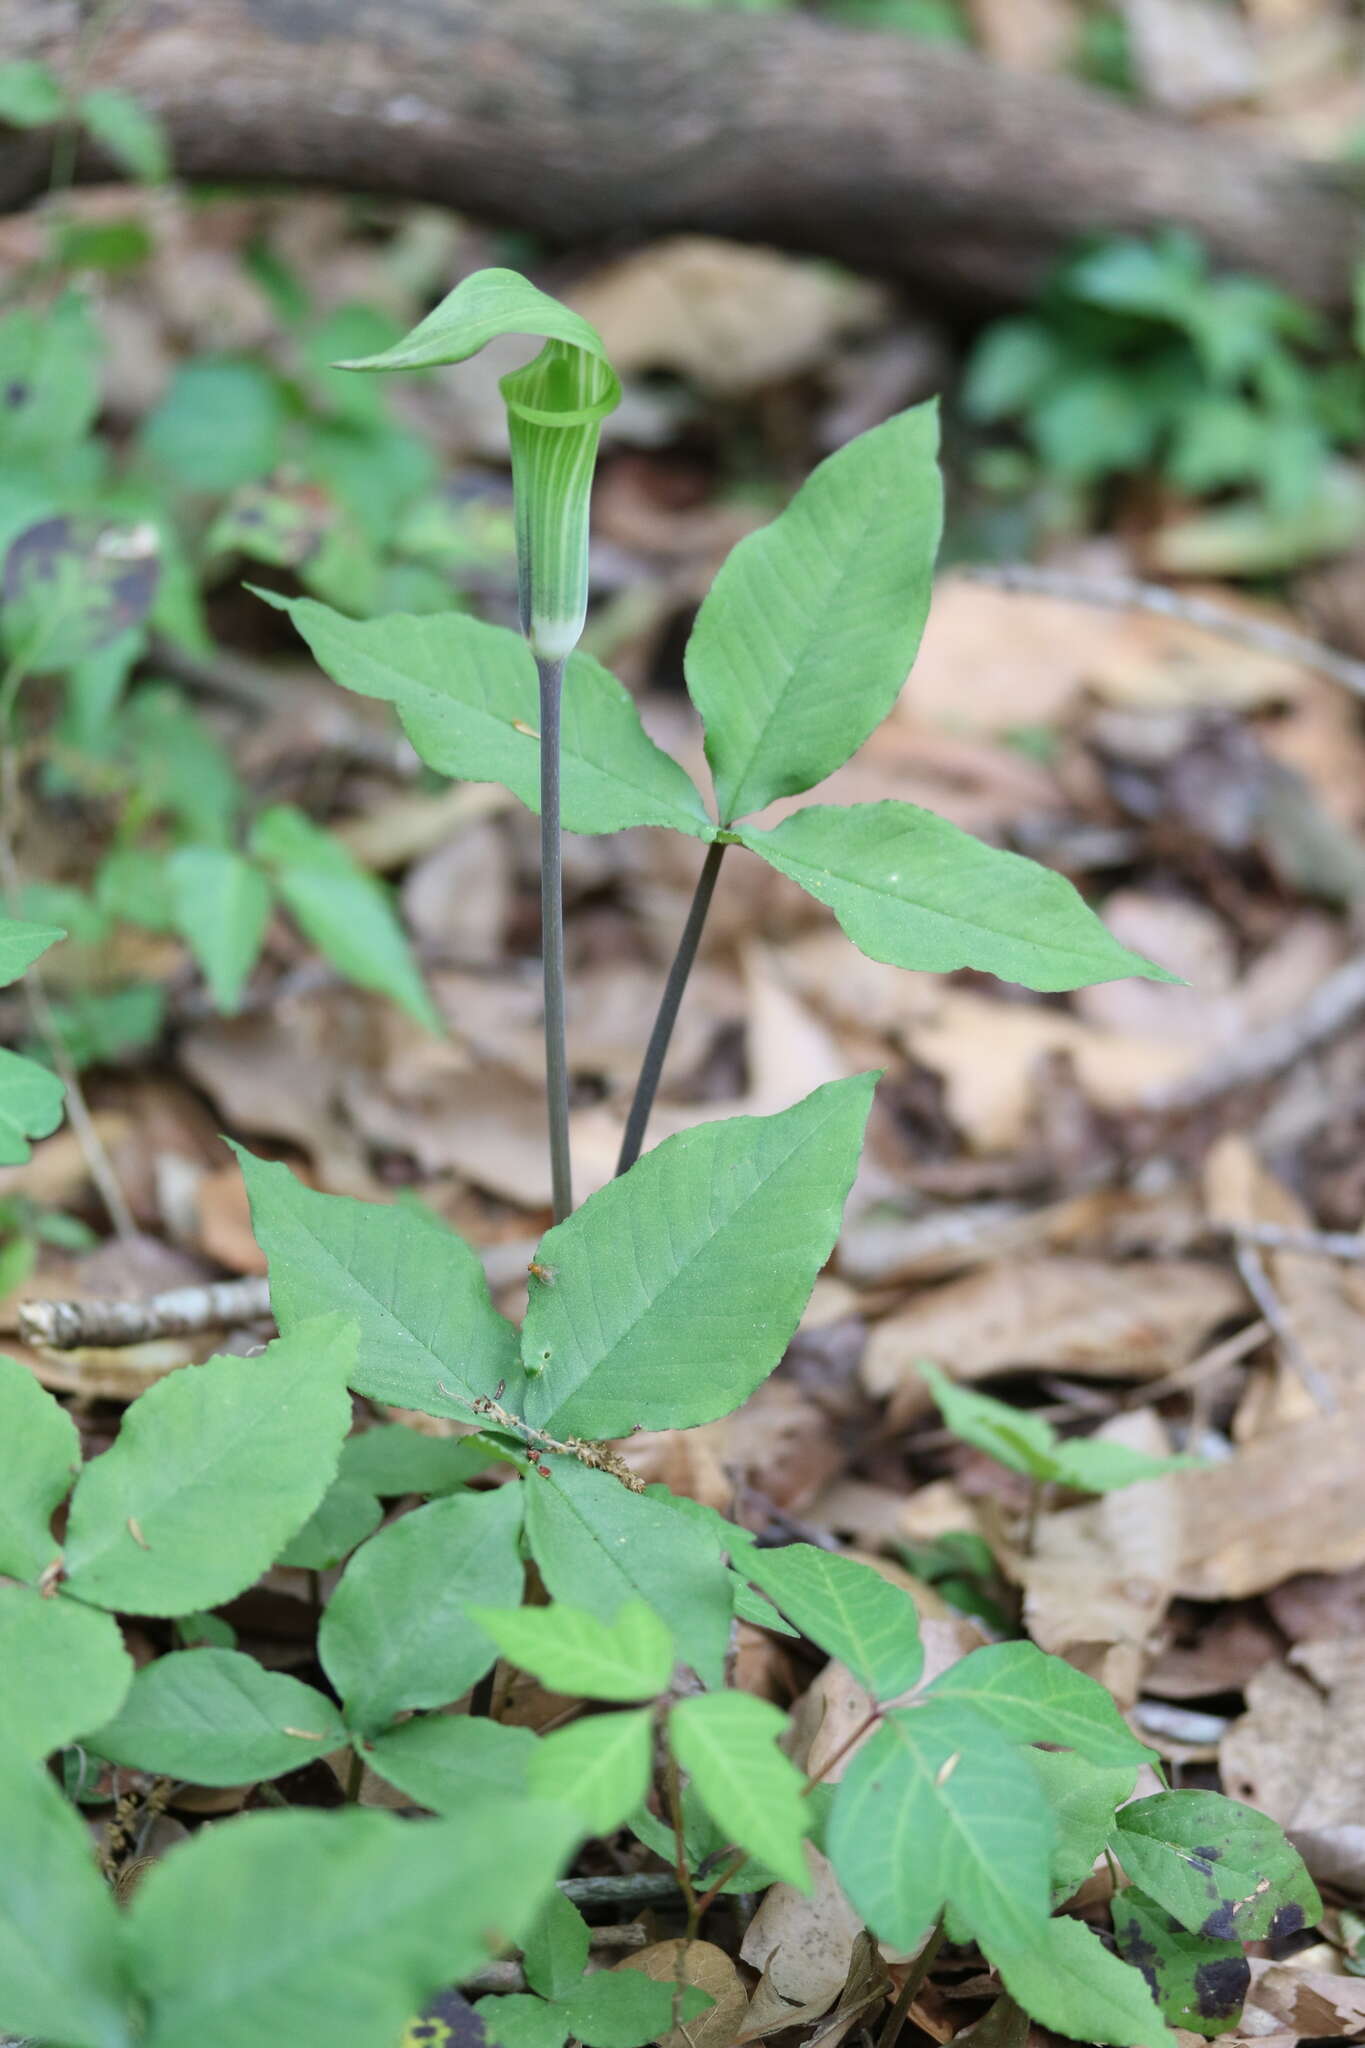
column 1257, row 1282
column 1345, row 1245
column 656, row 1052
column 914, row 1979
column 182, row 1312
column 1124, row 594
column 1217, row 1359
column 633, row 1888
column 551, row 675
column 1260, row 1056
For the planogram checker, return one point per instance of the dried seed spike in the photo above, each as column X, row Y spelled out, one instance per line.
column 947, row 1767
column 135, row 1531
column 304, row 1734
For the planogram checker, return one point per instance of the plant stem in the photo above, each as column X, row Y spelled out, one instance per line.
column 355, row 1777
column 915, row 1976
column 670, row 1003
column 551, row 674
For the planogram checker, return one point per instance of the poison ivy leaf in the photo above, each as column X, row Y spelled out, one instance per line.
column 344, row 911
column 30, row 94
column 1221, row 1869
column 21, row 944
column 397, row 1631
column 597, row 1545
column 679, row 1286
column 847, row 1610
column 1067, row 1978
column 32, row 1100
column 131, row 135
column 803, row 642
column 913, row 890
column 1197, row 1983
column 65, row 1670
column 556, row 1949
column 430, row 1337
column 221, row 907
column 393, row 1459
column 396, row 1909
column 1031, row 1697
column 936, row 1809
column 40, row 1455
column 215, row 1717
column 598, row 1767
column 1082, row 1799
column 727, row 1744
column 469, row 701
column 627, row 2009
column 61, row 1941
column 214, row 1468
column 451, row 1761
column 571, row 1651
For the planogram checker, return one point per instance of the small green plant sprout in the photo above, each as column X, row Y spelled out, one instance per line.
column 1028, row 1444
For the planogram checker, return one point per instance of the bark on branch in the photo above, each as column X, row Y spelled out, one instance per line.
column 602, row 120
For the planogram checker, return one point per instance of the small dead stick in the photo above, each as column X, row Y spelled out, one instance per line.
column 1124, row 594
column 1257, row 1282
column 183, row 1312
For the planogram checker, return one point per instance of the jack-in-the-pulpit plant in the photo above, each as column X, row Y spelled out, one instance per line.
column 969, row 1810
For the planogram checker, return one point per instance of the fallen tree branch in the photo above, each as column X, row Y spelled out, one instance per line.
column 184, row 1312
column 631, row 118
column 1121, row 594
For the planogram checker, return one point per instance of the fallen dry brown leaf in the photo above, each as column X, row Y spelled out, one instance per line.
column 1314, row 2005
column 803, row 1945
column 1298, row 1753
column 728, row 318
column 1318, row 1361
column 1101, row 1577
column 711, row 1970
column 1086, row 1316
column 1290, row 1502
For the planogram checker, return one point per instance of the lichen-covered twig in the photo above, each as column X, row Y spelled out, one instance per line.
column 183, row 1312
